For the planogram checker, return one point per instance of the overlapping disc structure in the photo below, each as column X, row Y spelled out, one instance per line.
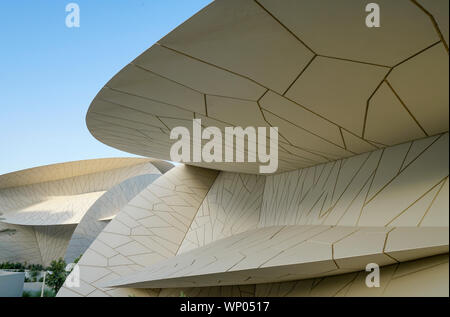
column 56, row 211
column 362, row 115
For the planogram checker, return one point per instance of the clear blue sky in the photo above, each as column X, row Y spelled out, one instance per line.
column 49, row 73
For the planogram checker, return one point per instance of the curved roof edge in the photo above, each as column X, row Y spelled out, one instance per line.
column 54, row 172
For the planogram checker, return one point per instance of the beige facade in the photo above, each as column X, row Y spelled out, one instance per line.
column 363, row 120
column 362, row 116
column 280, row 235
column 334, row 87
column 42, row 207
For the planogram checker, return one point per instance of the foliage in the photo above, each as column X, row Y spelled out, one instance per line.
column 78, row 258
column 21, row 266
column 47, row 293
column 34, row 275
column 35, row 267
column 28, row 294
column 13, row 266
column 54, row 280
column 57, row 277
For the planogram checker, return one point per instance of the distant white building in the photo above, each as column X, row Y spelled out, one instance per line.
column 11, row 284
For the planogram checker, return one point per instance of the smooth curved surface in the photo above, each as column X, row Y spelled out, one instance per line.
column 311, row 68
column 349, row 212
column 285, row 253
column 148, row 229
column 60, row 210
column 41, row 207
column 54, row 172
column 363, row 154
column 103, row 211
column 426, row 277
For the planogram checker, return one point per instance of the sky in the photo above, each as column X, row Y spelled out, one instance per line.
column 50, row 73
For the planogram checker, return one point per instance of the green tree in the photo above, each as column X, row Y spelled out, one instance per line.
column 58, row 275
column 34, row 275
column 78, row 258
